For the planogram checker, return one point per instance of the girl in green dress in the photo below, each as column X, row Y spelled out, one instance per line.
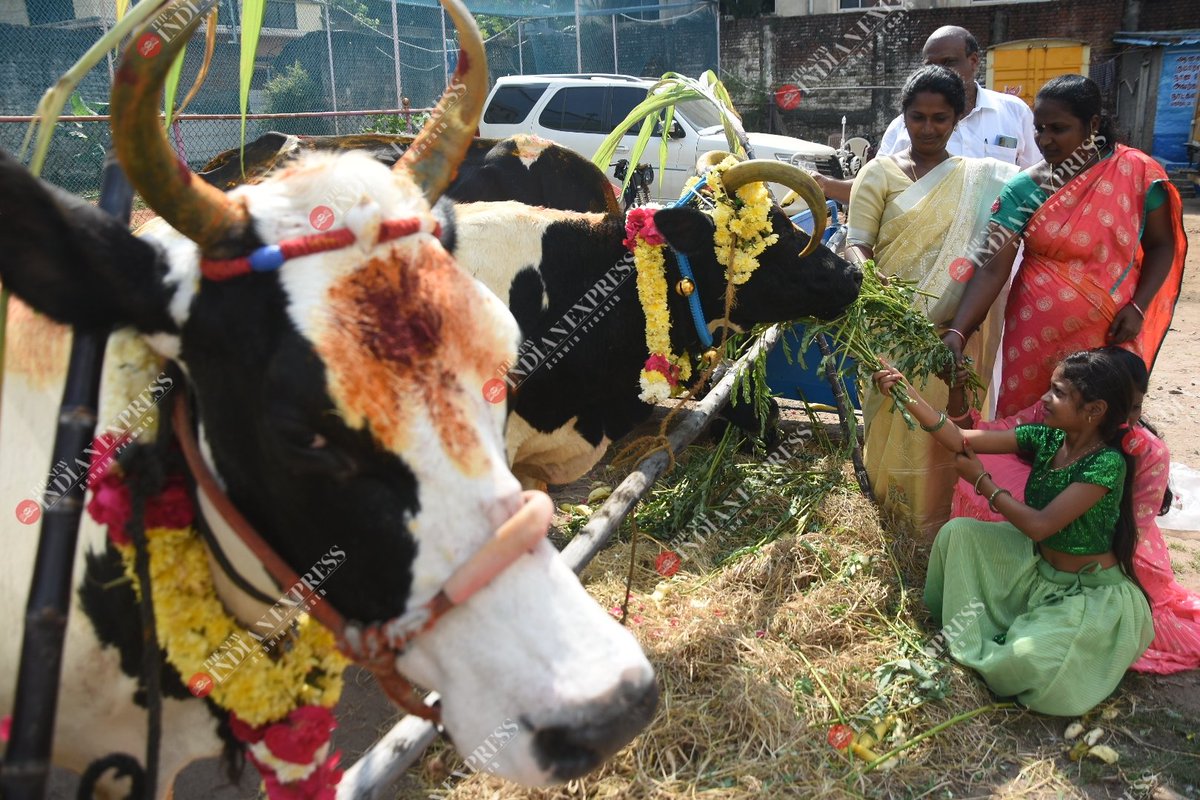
column 1045, row 606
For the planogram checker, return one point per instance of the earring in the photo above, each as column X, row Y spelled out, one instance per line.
column 1091, row 141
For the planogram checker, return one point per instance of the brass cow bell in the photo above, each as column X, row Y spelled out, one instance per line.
column 685, row 288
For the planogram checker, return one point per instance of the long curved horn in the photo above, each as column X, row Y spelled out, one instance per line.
column 439, row 148
column 201, row 212
column 790, row 176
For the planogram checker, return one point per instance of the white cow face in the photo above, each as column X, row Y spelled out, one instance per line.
column 342, row 403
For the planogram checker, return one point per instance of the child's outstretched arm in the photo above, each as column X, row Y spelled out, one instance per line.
column 1068, row 506
column 937, row 423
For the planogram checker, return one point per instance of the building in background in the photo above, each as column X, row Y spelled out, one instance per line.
column 851, row 57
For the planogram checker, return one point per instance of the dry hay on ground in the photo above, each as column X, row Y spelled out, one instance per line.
column 794, row 616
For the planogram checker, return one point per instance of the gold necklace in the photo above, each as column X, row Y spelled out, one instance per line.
column 1084, row 454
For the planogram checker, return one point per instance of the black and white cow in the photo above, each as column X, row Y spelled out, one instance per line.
column 569, row 281
column 339, row 404
column 524, row 168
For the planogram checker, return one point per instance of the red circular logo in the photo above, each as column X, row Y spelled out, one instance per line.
column 28, row 512
column 961, row 269
column 200, row 684
column 149, row 45
column 788, row 96
column 321, row 218
column 494, row 391
column 840, row 736
column 667, row 563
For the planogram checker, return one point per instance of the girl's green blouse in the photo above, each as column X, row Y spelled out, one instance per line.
column 1092, row 532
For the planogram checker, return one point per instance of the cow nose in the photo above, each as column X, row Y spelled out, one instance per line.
column 856, row 275
column 569, row 751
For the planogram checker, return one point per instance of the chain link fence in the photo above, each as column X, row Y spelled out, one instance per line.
column 317, row 56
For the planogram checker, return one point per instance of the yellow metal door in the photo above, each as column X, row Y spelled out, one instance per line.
column 1021, row 68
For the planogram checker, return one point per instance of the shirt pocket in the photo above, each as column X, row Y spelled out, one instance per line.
column 1005, row 154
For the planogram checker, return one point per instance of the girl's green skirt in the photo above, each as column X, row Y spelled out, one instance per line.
column 1057, row 641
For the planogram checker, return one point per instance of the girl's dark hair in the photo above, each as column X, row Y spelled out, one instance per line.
column 939, row 80
column 1081, row 96
column 1136, row 367
column 1100, row 375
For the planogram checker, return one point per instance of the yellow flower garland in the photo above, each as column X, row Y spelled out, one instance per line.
column 749, row 217
column 652, row 292
column 193, row 625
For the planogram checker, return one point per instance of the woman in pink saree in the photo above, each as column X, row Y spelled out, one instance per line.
column 1104, row 249
column 1175, row 610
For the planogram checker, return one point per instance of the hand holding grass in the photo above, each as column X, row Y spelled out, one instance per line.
column 891, row 380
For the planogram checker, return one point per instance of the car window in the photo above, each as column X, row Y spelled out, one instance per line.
column 511, row 104
column 576, row 108
column 624, row 98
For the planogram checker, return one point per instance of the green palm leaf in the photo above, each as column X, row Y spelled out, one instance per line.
column 658, row 109
column 171, row 87
column 252, row 20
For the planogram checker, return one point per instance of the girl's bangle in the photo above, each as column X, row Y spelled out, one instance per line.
column 963, row 417
column 1138, row 309
column 982, row 475
column 961, row 335
column 992, row 500
column 937, row 426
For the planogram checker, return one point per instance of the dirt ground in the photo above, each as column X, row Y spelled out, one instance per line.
column 1173, row 404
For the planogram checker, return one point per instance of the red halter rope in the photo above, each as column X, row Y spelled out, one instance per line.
column 272, row 256
column 374, row 645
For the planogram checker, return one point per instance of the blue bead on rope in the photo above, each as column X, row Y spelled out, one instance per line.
column 267, row 258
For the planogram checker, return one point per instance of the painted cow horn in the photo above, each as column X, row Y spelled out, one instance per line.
column 201, row 212
column 439, row 148
column 790, row 176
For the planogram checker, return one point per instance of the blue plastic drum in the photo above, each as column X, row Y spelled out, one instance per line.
column 805, row 381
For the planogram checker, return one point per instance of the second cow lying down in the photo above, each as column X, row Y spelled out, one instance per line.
column 570, row 282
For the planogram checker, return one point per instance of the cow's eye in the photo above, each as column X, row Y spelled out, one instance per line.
column 305, row 450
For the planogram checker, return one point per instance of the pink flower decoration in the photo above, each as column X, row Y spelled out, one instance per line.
column 172, row 508
column 660, row 363
column 639, row 223
column 996, row 205
column 110, row 505
column 298, row 737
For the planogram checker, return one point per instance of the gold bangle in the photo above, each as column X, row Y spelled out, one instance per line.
column 982, row 475
column 992, row 500
column 937, row 426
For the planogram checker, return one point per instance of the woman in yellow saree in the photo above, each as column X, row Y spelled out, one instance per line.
column 912, row 215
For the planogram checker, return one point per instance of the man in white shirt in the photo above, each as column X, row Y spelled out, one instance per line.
column 996, row 124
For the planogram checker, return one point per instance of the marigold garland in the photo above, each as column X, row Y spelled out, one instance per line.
column 748, row 216
column 193, row 625
column 663, row 370
column 278, row 700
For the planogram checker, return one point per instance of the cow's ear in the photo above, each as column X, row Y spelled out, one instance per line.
column 686, row 229
column 73, row 262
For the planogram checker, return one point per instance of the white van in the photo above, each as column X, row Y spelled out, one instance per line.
column 578, row 111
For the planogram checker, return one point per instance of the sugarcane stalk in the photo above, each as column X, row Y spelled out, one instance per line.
column 27, row 759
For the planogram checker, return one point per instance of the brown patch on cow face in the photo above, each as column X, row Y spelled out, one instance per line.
column 37, row 346
column 407, row 340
